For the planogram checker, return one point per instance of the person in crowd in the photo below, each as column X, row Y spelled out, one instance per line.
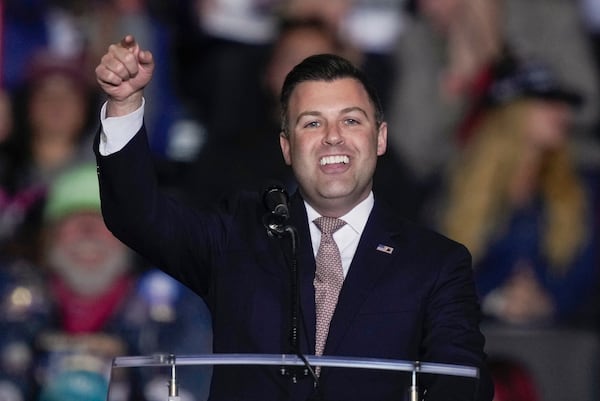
column 52, row 127
column 64, row 321
column 246, row 158
column 395, row 290
column 29, row 27
column 442, row 57
column 368, row 28
column 297, row 38
column 244, row 161
column 521, row 204
column 445, row 59
column 220, row 48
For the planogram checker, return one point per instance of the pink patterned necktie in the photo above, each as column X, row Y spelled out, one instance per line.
column 329, row 278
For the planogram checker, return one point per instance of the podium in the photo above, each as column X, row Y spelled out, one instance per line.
column 289, row 360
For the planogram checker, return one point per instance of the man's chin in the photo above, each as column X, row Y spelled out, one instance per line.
column 340, row 191
column 86, row 277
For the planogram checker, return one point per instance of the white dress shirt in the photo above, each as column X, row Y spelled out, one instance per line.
column 118, row 131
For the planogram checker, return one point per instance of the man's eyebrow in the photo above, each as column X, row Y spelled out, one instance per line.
column 343, row 111
column 354, row 108
column 308, row 113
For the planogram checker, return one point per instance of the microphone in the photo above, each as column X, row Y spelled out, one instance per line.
column 275, row 200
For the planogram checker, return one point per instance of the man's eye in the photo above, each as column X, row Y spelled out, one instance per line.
column 351, row 121
column 312, row 124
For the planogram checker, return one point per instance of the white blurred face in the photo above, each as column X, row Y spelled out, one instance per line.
column 548, row 124
column 86, row 254
column 333, row 144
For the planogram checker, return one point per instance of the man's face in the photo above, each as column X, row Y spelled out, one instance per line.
column 85, row 254
column 333, row 143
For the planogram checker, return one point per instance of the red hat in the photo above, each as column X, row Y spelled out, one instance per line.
column 46, row 63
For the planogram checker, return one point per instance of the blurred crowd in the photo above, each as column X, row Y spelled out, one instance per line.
column 493, row 109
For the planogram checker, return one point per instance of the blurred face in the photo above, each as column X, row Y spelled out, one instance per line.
column 440, row 13
column 86, row 254
column 331, row 11
column 548, row 124
column 57, row 108
column 291, row 49
column 333, row 143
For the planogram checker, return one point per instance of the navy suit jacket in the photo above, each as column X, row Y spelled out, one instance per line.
column 417, row 302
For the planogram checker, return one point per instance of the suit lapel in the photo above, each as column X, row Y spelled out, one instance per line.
column 367, row 266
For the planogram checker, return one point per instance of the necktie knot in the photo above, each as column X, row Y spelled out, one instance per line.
column 329, row 225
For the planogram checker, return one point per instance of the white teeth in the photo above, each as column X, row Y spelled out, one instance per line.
column 334, row 160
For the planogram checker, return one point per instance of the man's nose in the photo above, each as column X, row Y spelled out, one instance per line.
column 333, row 135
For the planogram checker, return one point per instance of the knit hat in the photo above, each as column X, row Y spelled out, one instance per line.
column 510, row 79
column 528, row 79
column 75, row 190
column 44, row 64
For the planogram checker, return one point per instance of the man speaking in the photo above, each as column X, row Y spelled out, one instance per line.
column 369, row 283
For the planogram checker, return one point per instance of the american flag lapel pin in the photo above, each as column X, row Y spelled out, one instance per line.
column 385, row 248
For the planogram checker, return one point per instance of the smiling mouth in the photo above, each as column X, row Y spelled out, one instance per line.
column 336, row 159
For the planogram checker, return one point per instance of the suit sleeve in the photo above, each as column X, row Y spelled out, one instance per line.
column 452, row 333
column 176, row 239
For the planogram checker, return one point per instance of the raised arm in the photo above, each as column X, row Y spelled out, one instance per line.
column 123, row 73
column 170, row 235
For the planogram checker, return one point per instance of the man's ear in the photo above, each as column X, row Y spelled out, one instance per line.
column 382, row 139
column 284, row 142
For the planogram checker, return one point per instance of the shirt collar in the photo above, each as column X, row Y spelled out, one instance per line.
column 355, row 218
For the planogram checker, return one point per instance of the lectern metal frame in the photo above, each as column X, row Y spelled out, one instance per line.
column 416, row 367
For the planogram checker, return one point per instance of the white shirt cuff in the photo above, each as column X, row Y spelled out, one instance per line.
column 116, row 132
